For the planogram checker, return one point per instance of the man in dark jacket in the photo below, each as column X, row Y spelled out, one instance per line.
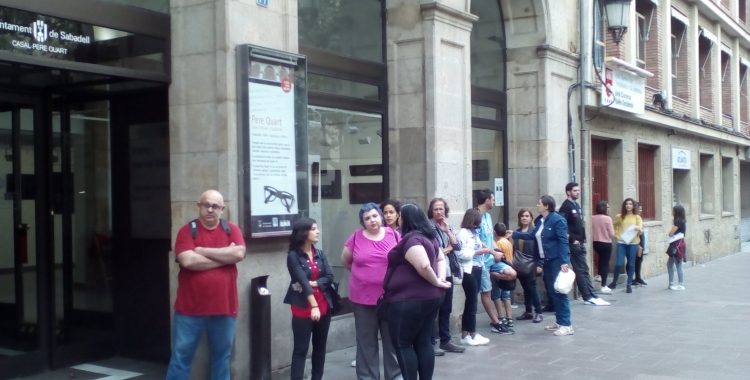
column 571, row 211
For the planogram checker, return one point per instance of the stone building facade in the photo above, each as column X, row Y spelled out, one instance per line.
column 448, row 111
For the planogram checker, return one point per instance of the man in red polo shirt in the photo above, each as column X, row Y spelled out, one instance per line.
column 207, row 251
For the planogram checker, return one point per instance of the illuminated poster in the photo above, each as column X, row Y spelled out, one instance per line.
column 272, row 143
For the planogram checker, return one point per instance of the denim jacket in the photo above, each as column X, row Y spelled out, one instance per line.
column 554, row 236
column 301, row 273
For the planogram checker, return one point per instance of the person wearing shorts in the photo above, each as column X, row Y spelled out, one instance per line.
column 502, row 270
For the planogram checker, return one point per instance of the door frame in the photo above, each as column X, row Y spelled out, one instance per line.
column 30, row 362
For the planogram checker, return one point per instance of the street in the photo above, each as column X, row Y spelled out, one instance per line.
column 653, row 333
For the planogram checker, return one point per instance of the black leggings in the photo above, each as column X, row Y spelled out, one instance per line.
column 471, row 290
column 604, row 250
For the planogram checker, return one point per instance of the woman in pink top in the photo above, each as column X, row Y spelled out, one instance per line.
column 601, row 224
column 365, row 254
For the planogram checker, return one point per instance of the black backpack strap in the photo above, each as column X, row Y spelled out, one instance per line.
column 194, row 228
column 225, row 226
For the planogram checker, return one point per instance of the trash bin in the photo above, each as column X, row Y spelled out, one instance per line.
column 260, row 329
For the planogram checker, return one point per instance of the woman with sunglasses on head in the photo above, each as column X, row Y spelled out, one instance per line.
column 365, row 254
column 602, row 232
column 414, row 289
column 627, row 222
column 309, row 297
column 528, row 249
column 391, row 209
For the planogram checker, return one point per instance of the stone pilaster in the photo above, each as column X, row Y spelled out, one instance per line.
column 203, row 135
column 429, row 66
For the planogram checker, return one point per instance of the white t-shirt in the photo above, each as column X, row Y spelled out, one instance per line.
column 539, row 239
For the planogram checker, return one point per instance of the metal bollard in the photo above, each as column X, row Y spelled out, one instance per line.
column 260, row 329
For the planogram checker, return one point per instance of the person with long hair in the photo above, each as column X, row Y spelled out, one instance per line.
column 679, row 226
column 551, row 235
column 528, row 282
column 391, row 209
column 602, row 233
column 626, row 220
column 437, row 213
column 414, row 289
column 637, row 279
column 471, row 257
column 309, row 297
column 365, row 254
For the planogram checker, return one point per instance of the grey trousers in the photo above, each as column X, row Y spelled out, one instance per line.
column 366, row 325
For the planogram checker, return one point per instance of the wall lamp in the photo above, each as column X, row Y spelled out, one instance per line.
column 618, row 17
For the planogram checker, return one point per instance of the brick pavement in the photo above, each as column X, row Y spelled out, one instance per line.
column 653, row 333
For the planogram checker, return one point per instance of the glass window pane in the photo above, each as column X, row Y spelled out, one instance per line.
column 353, row 28
column 487, row 147
column 487, row 45
column 483, row 112
column 342, row 87
column 340, row 143
column 153, row 5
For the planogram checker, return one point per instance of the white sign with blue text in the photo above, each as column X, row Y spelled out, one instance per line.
column 680, row 159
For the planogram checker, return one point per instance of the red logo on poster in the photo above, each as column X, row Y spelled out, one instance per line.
column 286, row 85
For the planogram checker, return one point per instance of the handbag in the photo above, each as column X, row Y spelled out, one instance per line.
column 672, row 250
column 336, row 304
column 456, row 269
column 524, row 264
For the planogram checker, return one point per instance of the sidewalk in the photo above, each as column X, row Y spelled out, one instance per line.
column 653, row 333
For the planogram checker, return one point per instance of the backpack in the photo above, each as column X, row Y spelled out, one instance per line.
column 194, row 227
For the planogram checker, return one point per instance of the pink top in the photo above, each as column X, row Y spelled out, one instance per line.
column 369, row 263
column 602, row 229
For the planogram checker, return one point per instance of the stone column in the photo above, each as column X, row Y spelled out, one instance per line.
column 203, row 134
column 429, row 85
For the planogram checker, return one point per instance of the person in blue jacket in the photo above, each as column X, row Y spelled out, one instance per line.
column 551, row 235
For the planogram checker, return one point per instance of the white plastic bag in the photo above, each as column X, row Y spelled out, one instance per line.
column 564, row 281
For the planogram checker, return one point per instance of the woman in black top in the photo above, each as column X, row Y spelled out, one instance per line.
column 527, row 248
column 309, row 297
column 678, row 212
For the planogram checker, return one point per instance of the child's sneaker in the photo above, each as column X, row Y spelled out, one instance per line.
column 508, row 322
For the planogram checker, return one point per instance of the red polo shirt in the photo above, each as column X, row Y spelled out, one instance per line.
column 210, row 292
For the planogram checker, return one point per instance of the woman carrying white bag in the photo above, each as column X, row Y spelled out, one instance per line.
column 551, row 235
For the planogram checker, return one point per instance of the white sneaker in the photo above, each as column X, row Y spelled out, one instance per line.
column 605, row 289
column 354, row 363
column 479, row 340
column 680, row 287
column 673, row 287
column 467, row 341
column 597, row 302
column 564, row 330
column 597, row 278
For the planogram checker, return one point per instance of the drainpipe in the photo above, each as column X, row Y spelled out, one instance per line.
column 583, row 75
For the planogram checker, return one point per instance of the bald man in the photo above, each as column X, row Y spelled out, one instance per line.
column 207, row 249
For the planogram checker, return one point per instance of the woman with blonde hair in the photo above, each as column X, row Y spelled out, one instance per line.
column 628, row 228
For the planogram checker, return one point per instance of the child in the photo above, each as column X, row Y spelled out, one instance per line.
column 502, row 270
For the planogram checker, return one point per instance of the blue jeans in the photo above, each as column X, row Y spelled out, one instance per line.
column 562, row 305
column 496, row 292
column 629, row 250
column 531, row 294
column 186, row 333
column 411, row 324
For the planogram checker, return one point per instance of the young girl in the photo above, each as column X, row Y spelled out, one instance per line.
column 678, row 212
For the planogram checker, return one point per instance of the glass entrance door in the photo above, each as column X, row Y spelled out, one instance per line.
column 19, row 269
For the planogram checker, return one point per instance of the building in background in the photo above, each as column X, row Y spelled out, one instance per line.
column 112, row 133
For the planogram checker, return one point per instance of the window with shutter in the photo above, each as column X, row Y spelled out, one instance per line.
column 599, row 175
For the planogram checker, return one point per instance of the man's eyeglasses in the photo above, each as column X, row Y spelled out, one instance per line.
column 214, row 206
column 284, row 197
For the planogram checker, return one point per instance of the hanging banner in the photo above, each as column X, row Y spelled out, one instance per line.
column 274, row 174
